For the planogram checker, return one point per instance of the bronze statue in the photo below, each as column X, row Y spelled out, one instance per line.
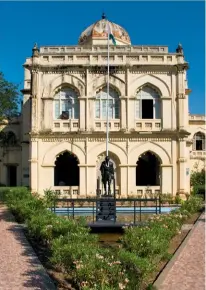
column 179, row 48
column 107, row 171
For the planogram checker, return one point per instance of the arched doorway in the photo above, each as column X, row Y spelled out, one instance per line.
column 148, row 170
column 115, row 160
column 66, row 170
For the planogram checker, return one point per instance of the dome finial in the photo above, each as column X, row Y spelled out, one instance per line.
column 103, row 16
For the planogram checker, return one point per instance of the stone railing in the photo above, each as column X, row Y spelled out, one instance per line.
column 197, row 117
column 66, row 191
column 148, row 125
column 99, row 59
column 198, row 154
column 101, row 125
column 66, row 125
column 96, row 48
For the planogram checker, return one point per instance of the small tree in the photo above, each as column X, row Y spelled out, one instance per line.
column 9, row 98
column 197, row 178
column 197, row 181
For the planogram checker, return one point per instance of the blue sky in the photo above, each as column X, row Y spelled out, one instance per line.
column 148, row 23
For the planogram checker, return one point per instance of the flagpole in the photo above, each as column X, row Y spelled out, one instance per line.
column 107, row 136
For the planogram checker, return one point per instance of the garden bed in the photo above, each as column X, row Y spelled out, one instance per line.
column 74, row 256
column 64, row 282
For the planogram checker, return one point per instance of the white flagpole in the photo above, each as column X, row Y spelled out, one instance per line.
column 107, row 136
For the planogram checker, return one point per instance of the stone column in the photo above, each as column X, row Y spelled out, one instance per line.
column 34, row 101
column 86, row 114
column 34, row 87
column 131, row 180
column 166, row 113
column 123, row 113
column 127, row 113
column 91, row 113
column 123, row 180
column 82, row 114
column 182, row 162
column 48, row 113
column 175, row 166
column 34, row 165
column 82, row 179
column 166, row 179
column 91, row 179
column 182, row 106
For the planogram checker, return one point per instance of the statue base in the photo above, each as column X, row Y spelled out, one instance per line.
column 106, row 209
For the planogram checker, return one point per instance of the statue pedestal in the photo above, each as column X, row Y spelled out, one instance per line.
column 106, row 209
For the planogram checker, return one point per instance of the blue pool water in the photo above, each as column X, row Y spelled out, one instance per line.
column 82, row 211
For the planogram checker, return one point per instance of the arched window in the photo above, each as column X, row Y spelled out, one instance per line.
column 199, row 141
column 8, row 139
column 148, row 104
column 101, row 104
column 66, row 104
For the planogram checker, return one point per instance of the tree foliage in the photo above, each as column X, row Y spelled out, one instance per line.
column 9, row 98
column 197, row 178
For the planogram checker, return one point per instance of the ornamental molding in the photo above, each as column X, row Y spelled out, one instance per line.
column 182, row 160
column 33, row 160
column 181, row 96
column 181, row 67
column 99, row 139
column 156, row 72
column 103, row 69
column 35, row 70
column 64, row 71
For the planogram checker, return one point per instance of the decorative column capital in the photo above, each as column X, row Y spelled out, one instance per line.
column 182, row 160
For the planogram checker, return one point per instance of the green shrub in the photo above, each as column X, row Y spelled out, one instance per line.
column 22, row 204
column 199, row 190
column 197, row 178
column 48, row 226
column 50, row 196
column 178, row 199
column 193, row 204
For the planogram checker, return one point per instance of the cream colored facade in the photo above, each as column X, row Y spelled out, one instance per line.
column 149, row 118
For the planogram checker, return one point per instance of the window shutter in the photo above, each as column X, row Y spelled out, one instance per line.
column 203, row 143
column 116, row 109
column 110, row 108
column 194, row 143
column 76, row 109
column 56, row 109
column 137, row 109
column 64, row 107
column 104, row 108
column 97, row 109
column 157, row 114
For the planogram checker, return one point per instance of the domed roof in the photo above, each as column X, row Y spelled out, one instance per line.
column 96, row 33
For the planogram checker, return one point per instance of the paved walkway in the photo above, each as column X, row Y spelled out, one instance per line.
column 19, row 266
column 186, row 270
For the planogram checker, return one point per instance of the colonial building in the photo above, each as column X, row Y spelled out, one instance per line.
column 59, row 141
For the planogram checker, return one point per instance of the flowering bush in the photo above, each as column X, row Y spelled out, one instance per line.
column 152, row 241
column 91, row 266
column 193, row 204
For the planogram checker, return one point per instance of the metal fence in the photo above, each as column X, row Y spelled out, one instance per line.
column 134, row 208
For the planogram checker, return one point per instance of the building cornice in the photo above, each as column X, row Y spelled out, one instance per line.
column 165, row 134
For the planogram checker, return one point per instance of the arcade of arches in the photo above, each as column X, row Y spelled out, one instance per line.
column 66, row 170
